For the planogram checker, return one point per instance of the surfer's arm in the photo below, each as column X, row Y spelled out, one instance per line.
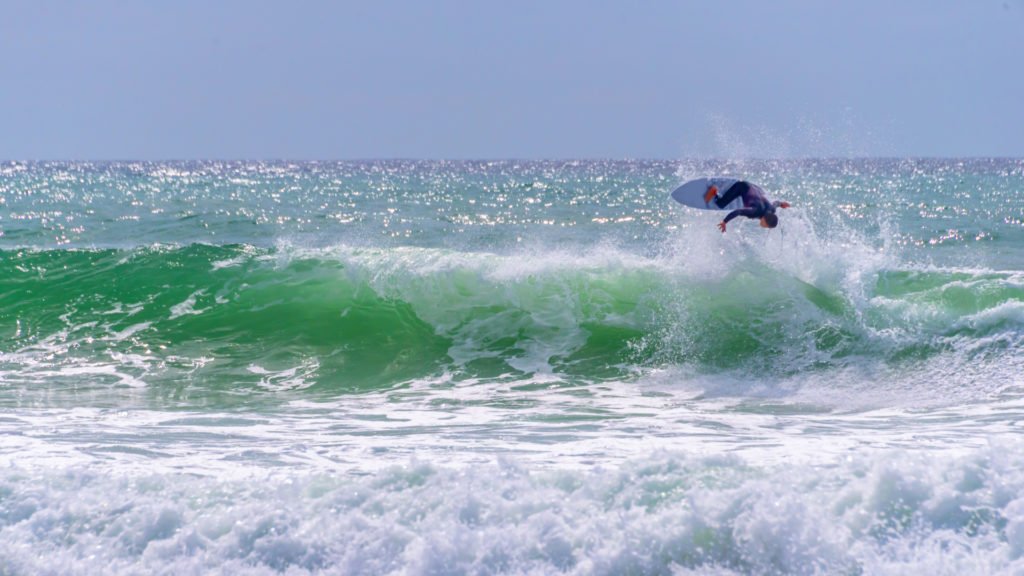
column 738, row 212
column 780, row 204
column 748, row 212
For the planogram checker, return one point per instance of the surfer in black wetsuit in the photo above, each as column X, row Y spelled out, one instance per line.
column 755, row 204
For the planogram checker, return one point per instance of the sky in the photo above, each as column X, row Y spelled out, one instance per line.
column 530, row 79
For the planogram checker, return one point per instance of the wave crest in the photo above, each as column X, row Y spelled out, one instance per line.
column 350, row 319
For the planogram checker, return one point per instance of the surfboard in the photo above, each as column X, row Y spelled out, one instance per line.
column 692, row 194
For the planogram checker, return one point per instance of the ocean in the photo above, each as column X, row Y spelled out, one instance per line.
column 510, row 367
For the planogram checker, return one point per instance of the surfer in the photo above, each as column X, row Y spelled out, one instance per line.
column 755, row 203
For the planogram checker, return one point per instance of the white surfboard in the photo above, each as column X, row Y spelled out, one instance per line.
column 692, row 194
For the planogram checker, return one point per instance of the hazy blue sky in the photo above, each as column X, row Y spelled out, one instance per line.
column 501, row 79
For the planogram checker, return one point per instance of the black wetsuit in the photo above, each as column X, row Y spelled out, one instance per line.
column 755, row 205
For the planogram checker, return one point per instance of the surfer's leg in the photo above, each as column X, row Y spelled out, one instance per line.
column 734, row 192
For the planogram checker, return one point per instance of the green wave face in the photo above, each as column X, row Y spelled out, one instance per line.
column 203, row 323
column 195, row 317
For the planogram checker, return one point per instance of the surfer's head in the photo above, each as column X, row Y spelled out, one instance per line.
column 769, row 220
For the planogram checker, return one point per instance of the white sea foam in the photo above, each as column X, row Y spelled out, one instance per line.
column 188, row 306
column 886, row 512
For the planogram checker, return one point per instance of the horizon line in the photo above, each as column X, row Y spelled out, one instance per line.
column 498, row 159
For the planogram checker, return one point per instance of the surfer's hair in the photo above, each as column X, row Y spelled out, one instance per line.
column 771, row 220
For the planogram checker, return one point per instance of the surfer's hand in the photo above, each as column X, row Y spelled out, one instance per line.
column 783, row 204
column 721, row 226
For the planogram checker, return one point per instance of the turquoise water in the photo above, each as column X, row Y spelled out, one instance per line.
column 510, row 367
